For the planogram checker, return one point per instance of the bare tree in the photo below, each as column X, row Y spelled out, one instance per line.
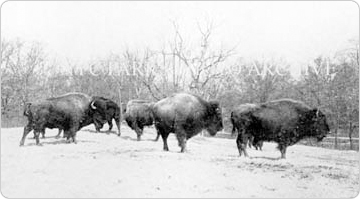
column 21, row 69
column 200, row 60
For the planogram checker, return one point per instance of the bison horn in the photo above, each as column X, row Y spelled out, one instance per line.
column 92, row 105
column 317, row 113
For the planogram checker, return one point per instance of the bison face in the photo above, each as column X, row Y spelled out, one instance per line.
column 320, row 125
column 215, row 119
column 98, row 106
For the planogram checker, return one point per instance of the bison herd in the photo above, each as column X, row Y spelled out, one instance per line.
column 283, row 121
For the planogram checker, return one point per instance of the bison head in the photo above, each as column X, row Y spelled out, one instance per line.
column 97, row 109
column 320, row 125
column 98, row 105
column 214, row 118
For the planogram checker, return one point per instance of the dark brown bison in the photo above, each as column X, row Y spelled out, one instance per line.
column 186, row 115
column 107, row 110
column 69, row 112
column 138, row 114
column 283, row 121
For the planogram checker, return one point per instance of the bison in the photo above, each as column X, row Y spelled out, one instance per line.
column 108, row 110
column 283, row 121
column 69, row 112
column 138, row 114
column 186, row 115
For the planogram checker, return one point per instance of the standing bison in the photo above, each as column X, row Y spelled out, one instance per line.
column 107, row 111
column 138, row 114
column 283, row 121
column 69, row 112
column 186, row 115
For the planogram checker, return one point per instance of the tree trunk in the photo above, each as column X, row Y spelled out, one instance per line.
column 120, row 106
column 336, row 135
column 350, row 134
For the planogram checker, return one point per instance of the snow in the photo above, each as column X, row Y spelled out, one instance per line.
column 107, row 166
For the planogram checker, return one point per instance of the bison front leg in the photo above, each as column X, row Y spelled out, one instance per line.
column 98, row 126
column 241, row 142
column 59, row 133
column 110, row 124
column 251, row 142
column 72, row 133
column 282, row 149
column 138, row 130
column 117, row 120
column 67, row 134
column 258, row 145
column 27, row 130
column 181, row 137
column 157, row 136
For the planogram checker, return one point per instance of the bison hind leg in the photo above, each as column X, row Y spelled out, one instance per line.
column 37, row 134
column 139, row 131
column 241, row 142
column 164, row 136
column 27, row 130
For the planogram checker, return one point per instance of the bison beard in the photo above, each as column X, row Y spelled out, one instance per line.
column 186, row 115
column 283, row 121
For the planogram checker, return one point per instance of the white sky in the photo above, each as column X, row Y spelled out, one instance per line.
column 83, row 31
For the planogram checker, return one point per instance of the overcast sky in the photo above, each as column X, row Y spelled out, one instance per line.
column 83, row 31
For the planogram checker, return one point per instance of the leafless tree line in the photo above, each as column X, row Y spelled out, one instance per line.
column 199, row 67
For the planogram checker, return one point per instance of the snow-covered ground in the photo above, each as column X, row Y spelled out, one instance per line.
column 105, row 165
